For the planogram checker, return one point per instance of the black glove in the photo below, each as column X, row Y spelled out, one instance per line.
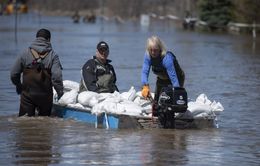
column 19, row 89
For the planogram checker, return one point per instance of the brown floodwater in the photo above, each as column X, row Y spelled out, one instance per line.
column 223, row 66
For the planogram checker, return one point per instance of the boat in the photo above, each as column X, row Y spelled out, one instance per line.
column 129, row 110
column 123, row 121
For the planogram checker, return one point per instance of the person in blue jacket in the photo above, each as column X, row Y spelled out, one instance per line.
column 163, row 65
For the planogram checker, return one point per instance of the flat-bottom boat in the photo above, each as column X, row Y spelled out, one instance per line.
column 122, row 121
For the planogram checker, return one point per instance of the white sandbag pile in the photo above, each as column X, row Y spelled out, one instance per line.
column 130, row 103
column 117, row 104
column 130, row 95
column 70, row 85
column 71, row 89
column 88, row 98
column 202, row 108
column 69, row 97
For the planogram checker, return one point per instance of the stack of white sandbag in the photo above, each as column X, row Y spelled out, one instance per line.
column 124, row 103
column 202, row 107
column 130, row 103
column 71, row 89
column 117, row 104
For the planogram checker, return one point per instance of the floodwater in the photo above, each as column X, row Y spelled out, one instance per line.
column 225, row 67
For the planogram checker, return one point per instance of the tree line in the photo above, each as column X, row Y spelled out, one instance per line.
column 217, row 13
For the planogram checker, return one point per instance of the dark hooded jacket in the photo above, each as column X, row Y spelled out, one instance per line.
column 98, row 77
column 50, row 63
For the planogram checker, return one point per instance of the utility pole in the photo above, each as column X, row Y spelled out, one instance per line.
column 253, row 31
column 15, row 24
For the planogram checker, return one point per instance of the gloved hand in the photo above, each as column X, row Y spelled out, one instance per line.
column 146, row 91
column 19, row 89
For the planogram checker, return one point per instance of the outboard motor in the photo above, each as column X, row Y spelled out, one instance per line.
column 171, row 101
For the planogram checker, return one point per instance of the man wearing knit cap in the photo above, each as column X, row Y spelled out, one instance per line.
column 98, row 74
column 34, row 73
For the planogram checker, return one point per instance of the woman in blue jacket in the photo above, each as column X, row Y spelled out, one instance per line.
column 163, row 65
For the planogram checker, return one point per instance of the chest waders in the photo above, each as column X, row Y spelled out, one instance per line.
column 105, row 78
column 37, row 88
column 163, row 79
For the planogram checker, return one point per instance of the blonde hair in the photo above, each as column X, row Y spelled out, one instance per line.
column 155, row 41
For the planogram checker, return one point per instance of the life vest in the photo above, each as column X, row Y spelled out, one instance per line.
column 161, row 71
column 37, row 78
column 158, row 68
column 105, row 78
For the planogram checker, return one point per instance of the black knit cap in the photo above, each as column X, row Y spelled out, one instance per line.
column 44, row 33
column 103, row 45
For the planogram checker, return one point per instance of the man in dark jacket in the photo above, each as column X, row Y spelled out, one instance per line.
column 41, row 70
column 98, row 74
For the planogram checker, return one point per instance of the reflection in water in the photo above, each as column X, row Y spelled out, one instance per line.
column 156, row 147
column 45, row 141
column 205, row 147
column 169, row 148
column 33, row 142
column 130, row 147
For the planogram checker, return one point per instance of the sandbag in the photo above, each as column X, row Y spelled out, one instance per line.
column 202, row 98
column 217, row 107
column 112, row 106
column 68, row 98
column 104, row 106
column 70, row 85
column 129, row 108
column 85, row 97
column 197, row 108
column 130, row 95
column 145, row 104
column 77, row 105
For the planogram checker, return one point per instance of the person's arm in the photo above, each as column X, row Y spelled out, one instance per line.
column 146, row 69
column 89, row 76
column 15, row 74
column 56, row 76
column 168, row 63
